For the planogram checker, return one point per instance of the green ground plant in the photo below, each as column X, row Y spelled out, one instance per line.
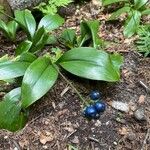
column 9, row 29
column 143, row 42
column 52, row 5
column 38, row 73
column 134, row 9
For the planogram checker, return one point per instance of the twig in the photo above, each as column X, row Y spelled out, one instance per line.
column 145, row 86
column 146, row 137
column 71, row 133
column 94, row 140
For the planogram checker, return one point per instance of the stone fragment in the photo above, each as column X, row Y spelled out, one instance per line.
column 122, row 106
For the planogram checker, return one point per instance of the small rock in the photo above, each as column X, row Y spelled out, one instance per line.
column 124, row 107
column 139, row 114
column 45, row 147
column 75, row 140
column 98, row 123
column 107, row 123
column 115, row 143
column 131, row 136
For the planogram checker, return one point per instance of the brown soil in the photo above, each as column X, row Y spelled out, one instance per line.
column 56, row 120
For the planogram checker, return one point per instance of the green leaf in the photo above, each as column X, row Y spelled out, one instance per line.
column 1, row 9
column 91, row 64
column 89, row 32
column 4, row 58
column 39, row 40
column 51, row 40
column 117, row 60
column 12, row 28
column 68, row 36
column 23, row 47
column 146, row 12
column 27, row 57
column 139, row 3
column 38, row 79
column 143, row 41
column 51, row 22
column 70, row 147
column 9, row 30
column 132, row 24
column 12, row 69
column 120, row 11
column 108, row 2
column 27, row 22
column 12, row 118
column 3, row 28
column 13, row 96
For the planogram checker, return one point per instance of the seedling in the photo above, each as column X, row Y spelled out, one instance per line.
column 39, row 74
column 135, row 10
column 51, row 6
column 9, row 29
column 143, row 41
column 88, row 36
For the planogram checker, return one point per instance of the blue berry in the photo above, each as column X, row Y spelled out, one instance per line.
column 100, row 106
column 95, row 95
column 90, row 112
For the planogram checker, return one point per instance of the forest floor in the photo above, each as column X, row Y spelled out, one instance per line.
column 56, row 121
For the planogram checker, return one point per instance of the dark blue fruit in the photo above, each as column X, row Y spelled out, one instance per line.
column 100, row 106
column 90, row 112
column 95, row 95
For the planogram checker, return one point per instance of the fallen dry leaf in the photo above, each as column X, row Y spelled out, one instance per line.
column 141, row 99
column 123, row 131
column 44, row 139
column 23, row 143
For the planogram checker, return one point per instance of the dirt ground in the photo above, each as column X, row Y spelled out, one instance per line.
column 57, row 121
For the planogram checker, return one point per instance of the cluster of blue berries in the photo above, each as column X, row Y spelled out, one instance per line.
column 97, row 107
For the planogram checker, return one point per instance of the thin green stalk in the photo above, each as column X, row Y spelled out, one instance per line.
column 77, row 92
column 7, row 15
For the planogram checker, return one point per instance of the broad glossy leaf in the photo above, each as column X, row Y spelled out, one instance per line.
column 23, row 47
column 108, row 2
column 89, row 32
column 51, row 22
column 132, row 23
column 38, row 79
column 26, row 20
column 68, row 36
column 120, row 11
column 139, row 3
column 91, row 64
column 12, row 69
column 27, row 57
column 12, row 118
column 39, row 40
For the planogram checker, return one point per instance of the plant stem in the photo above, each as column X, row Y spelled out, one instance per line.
column 77, row 92
column 7, row 15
